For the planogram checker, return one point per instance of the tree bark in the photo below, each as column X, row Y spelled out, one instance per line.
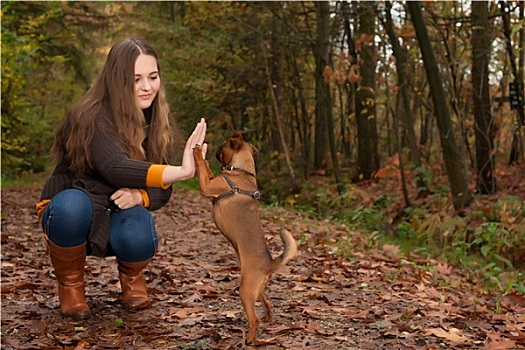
column 323, row 95
column 401, row 63
column 517, row 146
column 367, row 150
column 303, row 123
column 274, row 88
column 322, row 50
column 455, row 165
column 350, row 88
column 484, row 123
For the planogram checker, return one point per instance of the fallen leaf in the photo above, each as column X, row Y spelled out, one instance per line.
column 497, row 342
column 453, row 336
column 514, row 302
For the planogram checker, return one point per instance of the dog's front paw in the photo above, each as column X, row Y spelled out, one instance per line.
column 197, row 152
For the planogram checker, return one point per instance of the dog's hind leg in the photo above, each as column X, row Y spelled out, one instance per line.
column 267, row 306
column 266, row 303
column 249, row 291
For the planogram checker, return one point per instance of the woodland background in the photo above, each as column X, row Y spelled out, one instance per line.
column 394, row 118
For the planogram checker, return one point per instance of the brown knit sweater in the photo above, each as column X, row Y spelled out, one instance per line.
column 112, row 169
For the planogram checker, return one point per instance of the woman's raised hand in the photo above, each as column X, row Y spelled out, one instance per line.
column 198, row 135
column 196, row 138
column 187, row 169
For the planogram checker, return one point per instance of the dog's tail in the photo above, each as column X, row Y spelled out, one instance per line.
column 289, row 250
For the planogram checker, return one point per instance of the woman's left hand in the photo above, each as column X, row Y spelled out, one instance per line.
column 126, row 198
column 198, row 135
column 187, row 169
column 196, row 138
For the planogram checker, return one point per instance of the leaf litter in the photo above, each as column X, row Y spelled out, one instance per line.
column 376, row 299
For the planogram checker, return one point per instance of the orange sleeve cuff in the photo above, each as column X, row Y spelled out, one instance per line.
column 154, row 177
column 40, row 207
column 145, row 198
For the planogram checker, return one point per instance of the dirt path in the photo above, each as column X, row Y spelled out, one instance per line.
column 375, row 300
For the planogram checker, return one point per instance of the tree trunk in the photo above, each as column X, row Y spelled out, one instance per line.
column 350, row 88
column 484, row 124
column 457, row 105
column 323, row 95
column 521, row 70
column 399, row 148
column 401, row 61
column 367, row 150
column 322, row 49
column 303, row 123
column 455, row 165
column 516, row 148
column 274, row 81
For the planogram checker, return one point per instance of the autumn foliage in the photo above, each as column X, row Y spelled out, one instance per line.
column 341, row 291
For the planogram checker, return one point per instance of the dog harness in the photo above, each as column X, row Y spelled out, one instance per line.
column 234, row 189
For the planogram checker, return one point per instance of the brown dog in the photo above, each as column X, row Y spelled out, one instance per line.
column 236, row 214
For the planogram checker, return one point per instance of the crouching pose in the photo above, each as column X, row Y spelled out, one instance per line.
column 111, row 170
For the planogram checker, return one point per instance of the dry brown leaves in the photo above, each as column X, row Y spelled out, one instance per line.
column 375, row 300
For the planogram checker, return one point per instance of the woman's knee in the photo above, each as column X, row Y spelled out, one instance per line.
column 67, row 218
column 133, row 236
column 73, row 203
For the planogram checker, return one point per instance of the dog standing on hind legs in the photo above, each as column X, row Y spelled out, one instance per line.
column 236, row 213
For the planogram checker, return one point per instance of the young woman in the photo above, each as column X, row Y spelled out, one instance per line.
column 111, row 171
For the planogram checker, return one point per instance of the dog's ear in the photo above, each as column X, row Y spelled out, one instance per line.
column 236, row 141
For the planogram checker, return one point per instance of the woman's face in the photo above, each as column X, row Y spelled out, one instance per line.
column 147, row 80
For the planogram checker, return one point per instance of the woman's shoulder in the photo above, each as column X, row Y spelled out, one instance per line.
column 104, row 121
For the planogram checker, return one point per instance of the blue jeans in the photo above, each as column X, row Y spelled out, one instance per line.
column 67, row 221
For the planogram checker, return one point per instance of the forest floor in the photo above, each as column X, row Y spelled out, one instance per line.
column 377, row 299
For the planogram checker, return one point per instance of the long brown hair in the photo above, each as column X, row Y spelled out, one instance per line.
column 113, row 95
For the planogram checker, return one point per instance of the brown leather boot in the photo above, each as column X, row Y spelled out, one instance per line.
column 133, row 283
column 69, row 271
